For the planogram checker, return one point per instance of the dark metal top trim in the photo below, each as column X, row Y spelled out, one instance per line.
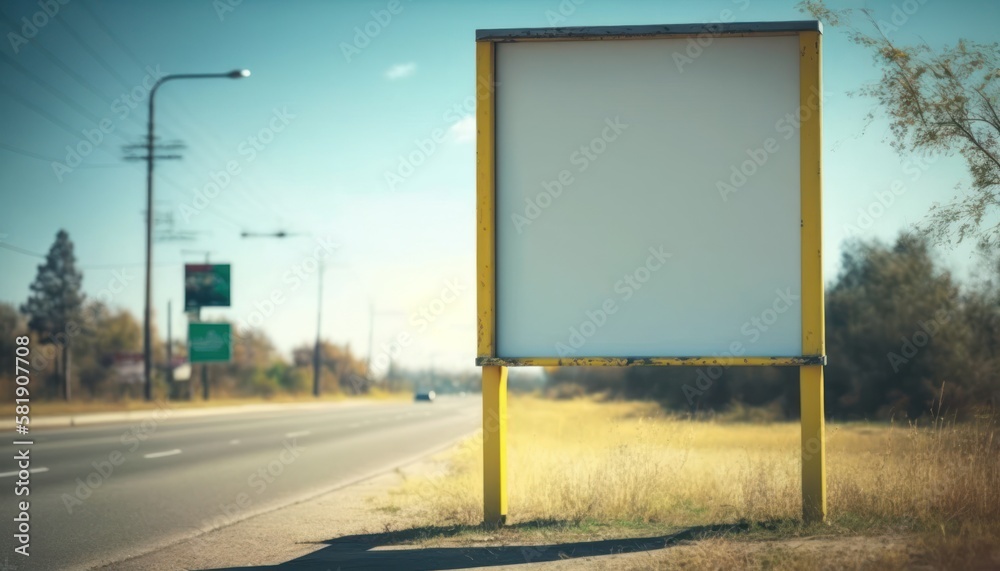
column 798, row 360
column 623, row 32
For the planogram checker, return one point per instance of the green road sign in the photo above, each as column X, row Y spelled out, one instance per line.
column 206, row 285
column 209, row 343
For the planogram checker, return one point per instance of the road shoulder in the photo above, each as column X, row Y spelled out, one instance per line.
column 284, row 534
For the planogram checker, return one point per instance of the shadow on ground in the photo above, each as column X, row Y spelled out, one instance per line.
column 359, row 551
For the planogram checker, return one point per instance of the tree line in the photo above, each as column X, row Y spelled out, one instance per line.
column 74, row 343
column 902, row 334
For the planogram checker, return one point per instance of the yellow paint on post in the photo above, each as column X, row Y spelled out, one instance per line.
column 494, row 377
column 650, row 361
column 495, row 445
column 813, row 444
column 485, row 200
column 813, row 318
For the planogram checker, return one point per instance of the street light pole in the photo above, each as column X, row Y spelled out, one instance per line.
column 147, row 346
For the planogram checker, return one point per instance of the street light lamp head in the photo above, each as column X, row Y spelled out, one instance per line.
column 239, row 73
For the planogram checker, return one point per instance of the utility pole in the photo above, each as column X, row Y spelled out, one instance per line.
column 371, row 340
column 170, row 349
column 204, row 381
column 150, row 147
column 319, row 324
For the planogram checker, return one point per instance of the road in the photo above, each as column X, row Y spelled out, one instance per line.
column 103, row 493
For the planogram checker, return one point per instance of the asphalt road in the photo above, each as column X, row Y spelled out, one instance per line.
column 103, row 493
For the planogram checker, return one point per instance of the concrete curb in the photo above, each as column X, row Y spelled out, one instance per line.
column 84, row 419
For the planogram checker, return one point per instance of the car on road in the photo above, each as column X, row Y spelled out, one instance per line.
column 426, row 396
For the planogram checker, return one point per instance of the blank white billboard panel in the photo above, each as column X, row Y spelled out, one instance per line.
column 647, row 201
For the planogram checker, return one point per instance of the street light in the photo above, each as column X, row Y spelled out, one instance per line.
column 319, row 302
column 278, row 234
column 147, row 348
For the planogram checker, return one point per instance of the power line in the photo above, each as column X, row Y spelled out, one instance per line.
column 93, row 53
column 67, row 128
column 33, row 155
column 19, row 250
column 211, row 209
column 52, row 90
column 44, row 113
column 114, row 38
column 191, row 123
column 58, row 63
column 210, row 142
column 77, row 108
column 27, row 252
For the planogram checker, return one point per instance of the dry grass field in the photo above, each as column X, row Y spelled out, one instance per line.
column 723, row 494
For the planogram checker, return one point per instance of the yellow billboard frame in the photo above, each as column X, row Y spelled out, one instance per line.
column 813, row 446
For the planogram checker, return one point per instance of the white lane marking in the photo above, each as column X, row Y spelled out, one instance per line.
column 30, row 471
column 162, row 454
column 297, row 434
column 234, row 441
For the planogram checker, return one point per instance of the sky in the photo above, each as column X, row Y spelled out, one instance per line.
column 339, row 93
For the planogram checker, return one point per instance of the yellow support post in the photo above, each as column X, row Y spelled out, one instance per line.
column 813, row 318
column 494, row 376
column 495, row 445
column 813, row 444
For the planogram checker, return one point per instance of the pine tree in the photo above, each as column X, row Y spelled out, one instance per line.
column 56, row 300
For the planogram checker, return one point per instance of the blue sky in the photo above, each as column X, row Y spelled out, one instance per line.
column 309, row 137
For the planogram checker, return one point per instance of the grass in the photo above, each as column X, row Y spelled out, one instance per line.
column 898, row 495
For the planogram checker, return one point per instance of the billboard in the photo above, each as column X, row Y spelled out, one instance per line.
column 641, row 201
column 209, row 343
column 650, row 195
column 206, row 285
column 128, row 367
